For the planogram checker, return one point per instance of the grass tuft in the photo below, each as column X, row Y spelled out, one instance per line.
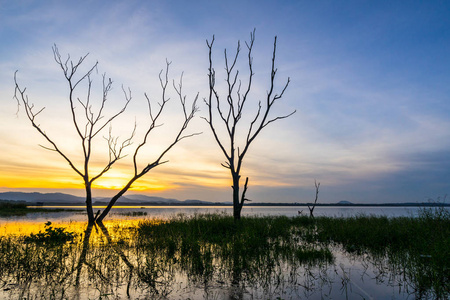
column 51, row 236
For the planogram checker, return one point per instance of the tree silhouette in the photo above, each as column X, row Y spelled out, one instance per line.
column 229, row 111
column 89, row 124
column 312, row 206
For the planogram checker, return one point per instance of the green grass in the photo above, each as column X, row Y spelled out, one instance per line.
column 248, row 248
column 213, row 249
column 420, row 246
column 51, row 236
column 428, row 234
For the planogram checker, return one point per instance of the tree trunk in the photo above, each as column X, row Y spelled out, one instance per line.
column 90, row 211
column 114, row 199
column 236, row 203
column 108, row 208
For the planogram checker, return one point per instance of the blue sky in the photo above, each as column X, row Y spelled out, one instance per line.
column 369, row 80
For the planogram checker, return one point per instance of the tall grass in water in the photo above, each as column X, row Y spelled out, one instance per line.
column 266, row 255
column 56, row 263
column 252, row 249
column 418, row 245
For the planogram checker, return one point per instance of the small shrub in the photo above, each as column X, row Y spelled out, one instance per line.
column 51, row 235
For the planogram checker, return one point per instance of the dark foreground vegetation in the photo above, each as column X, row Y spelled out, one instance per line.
column 213, row 256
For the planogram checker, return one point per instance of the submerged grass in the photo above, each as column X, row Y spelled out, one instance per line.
column 207, row 250
column 250, row 236
column 251, row 249
column 418, row 245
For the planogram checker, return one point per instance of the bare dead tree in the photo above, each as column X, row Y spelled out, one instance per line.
column 189, row 114
column 89, row 123
column 229, row 113
column 312, row 206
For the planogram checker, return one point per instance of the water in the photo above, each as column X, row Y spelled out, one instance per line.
column 114, row 270
column 164, row 212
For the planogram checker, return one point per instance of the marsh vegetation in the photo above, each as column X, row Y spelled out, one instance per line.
column 210, row 256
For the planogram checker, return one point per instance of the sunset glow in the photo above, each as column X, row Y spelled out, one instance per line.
column 369, row 81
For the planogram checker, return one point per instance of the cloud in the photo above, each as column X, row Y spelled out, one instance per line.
column 369, row 83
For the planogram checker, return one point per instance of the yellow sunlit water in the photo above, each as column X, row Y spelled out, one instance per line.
column 116, row 227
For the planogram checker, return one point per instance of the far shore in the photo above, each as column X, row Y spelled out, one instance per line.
column 141, row 204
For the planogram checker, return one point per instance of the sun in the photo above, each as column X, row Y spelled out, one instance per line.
column 117, row 181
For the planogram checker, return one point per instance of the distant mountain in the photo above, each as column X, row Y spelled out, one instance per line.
column 144, row 198
column 345, row 203
column 61, row 198
column 197, row 202
column 41, row 197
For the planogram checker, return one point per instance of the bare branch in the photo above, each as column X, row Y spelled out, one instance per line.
column 253, row 122
column 279, row 118
column 232, row 113
column 188, row 116
column 313, row 205
column 20, row 96
column 243, row 199
column 115, row 153
column 226, row 165
column 46, row 148
column 106, row 89
column 213, row 93
column 90, row 122
column 154, row 118
column 250, row 67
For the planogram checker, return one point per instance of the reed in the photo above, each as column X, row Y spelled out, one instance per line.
column 418, row 245
column 266, row 254
column 254, row 245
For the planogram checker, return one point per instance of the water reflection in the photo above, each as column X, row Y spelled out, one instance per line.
column 116, row 261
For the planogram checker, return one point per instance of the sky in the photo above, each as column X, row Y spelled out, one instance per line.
column 369, row 80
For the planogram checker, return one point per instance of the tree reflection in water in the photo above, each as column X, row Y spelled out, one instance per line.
column 117, row 261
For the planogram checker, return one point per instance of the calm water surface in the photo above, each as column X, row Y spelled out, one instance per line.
column 165, row 212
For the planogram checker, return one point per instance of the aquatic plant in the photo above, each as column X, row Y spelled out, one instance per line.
column 259, row 257
column 419, row 246
column 51, row 235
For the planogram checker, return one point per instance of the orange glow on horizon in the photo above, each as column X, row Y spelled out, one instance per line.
column 163, row 182
column 116, row 185
column 41, row 183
